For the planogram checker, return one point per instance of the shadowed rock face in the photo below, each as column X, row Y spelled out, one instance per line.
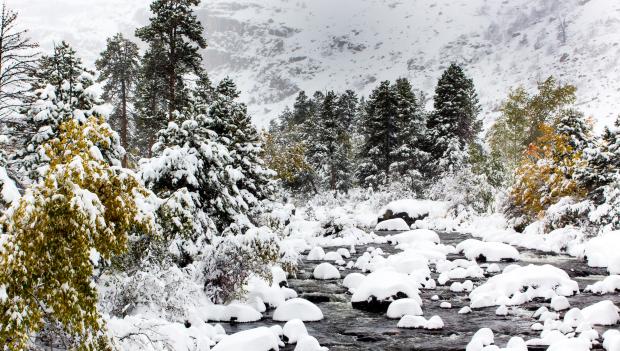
column 346, row 328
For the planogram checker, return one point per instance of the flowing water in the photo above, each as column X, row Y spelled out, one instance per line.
column 345, row 328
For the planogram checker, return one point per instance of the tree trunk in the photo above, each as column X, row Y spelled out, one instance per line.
column 124, row 121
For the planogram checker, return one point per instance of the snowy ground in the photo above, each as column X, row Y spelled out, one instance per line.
column 451, row 289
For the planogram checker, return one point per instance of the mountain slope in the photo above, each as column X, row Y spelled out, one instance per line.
column 274, row 48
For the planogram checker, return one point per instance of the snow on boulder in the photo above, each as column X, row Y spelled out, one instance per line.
column 402, row 307
column 297, row 308
column 559, row 303
column 316, row 254
column 235, row 312
column 487, row 251
column 483, row 337
column 294, row 330
column 412, row 210
column 326, row 271
column 332, row 256
column 344, row 252
column 257, row 339
column 416, row 235
column 518, row 285
column 570, row 344
column 601, row 313
column 611, row 340
column 602, row 251
column 353, row 280
column 607, row 286
column 418, row 322
column 380, row 288
column 392, row 224
column 309, row 343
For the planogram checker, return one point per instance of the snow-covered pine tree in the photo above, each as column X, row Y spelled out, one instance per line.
column 455, row 118
column 119, row 67
column 175, row 37
column 411, row 159
column 62, row 90
column 232, row 125
column 380, row 137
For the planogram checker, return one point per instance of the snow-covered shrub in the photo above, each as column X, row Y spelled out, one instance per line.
column 465, row 189
column 235, row 258
column 82, row 208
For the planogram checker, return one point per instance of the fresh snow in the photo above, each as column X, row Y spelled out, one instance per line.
column 294, row 330
column 522, row 284
column 419, row 322
column 392, row 224
column 385, row 284
column 326, row 271
column 402, row 307
column 257, row 339
column 490, row 251
column 297, row 308
column 608, row 285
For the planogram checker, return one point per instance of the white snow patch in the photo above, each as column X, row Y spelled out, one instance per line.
column 419, row 322
column 392, row 224
column 326, row 271
column 402, row 307
column 297, row 308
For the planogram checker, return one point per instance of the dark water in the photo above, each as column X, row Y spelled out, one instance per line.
column 345, row 328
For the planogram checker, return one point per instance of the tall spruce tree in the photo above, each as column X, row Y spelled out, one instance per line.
column 455, row 119
column 174, row 35
column 231, row 123
column 410, row 156
column 119, row 67
column 380, row 136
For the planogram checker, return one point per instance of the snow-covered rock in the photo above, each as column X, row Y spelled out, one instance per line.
column 380, row 288
column 316, row 254
column 570, row 344
column 392, row 224
column 518, row 285
column 419, row 322
column 326, row 271
column 601, row 313
column 415, row 235
column 259, row 339
column 402, row 307
column 611, row 340
column 445, row 304
column 332, row 256
column 353, row 280
column 559, row 303
column 601, row 251
column 297, row 308
column 415, row 209
column 607, row 286
column 238, row 312
column 294, row 330
column 487, row 251
column 309, row 343
column 465, row 310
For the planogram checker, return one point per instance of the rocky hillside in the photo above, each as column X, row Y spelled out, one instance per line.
column 274, row 48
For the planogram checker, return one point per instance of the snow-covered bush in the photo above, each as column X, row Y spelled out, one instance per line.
column 82, row 208
column 465, row 189
column 235, row 258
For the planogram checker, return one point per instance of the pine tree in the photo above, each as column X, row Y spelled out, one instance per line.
column 119, row 67
column 455, row 119
column 17, row 62
column 174, row 35
column 410, row 157
column 61, row 91
column 81, row 205
column 230, row 121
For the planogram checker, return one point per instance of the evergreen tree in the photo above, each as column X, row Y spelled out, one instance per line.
column 61, row 91
column 410, row 157
column 454, row 123
column 174, row 35
column 119, row 67
column 230, row 121
column 380, row 137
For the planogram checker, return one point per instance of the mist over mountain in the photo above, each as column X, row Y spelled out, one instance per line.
column 274, row 48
